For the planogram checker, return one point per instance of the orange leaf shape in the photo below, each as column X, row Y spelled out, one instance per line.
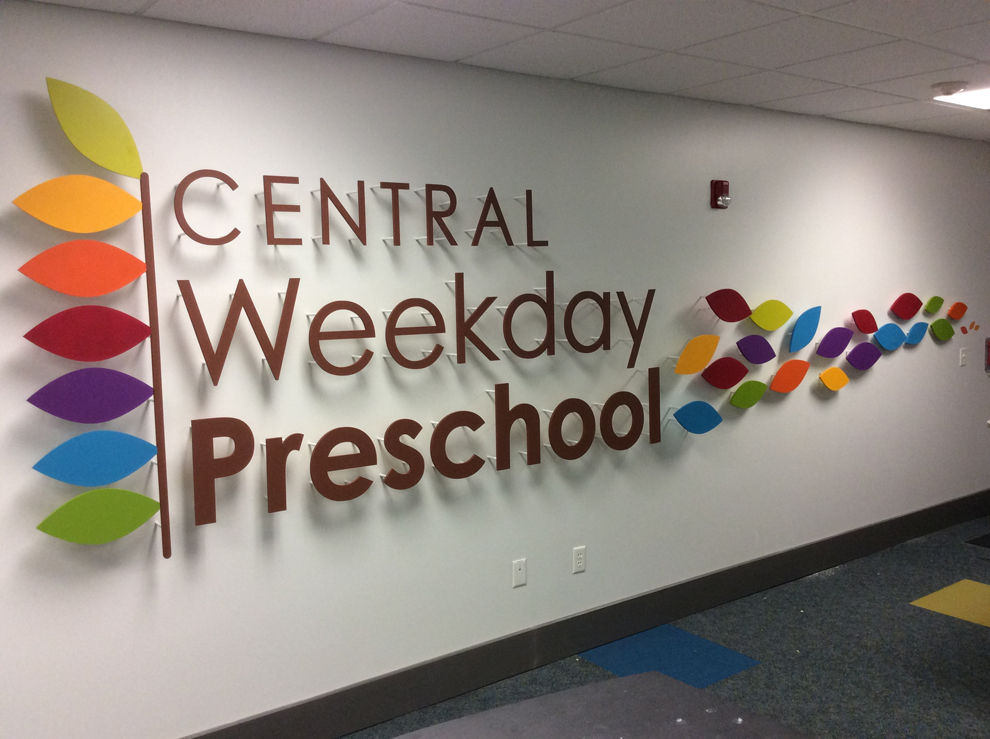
column 834, row 378
column 84, row 268
column 697, row 354
column 79, row 203
column 789, row 376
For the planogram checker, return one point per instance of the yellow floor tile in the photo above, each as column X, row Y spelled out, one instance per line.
column 966, row 599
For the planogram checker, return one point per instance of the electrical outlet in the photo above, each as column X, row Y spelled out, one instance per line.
column 577, row 560
column 518, row 572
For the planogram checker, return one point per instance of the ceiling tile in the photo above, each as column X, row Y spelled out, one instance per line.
column 758, row 88
column 913, row 111
column 553, row 54
column 876, row 63
column 919, row 87
column 909, row 18
column 965, row 125
column 304, row 19
column 972, row 40
column 834, row 101
column 542, row 14
column 667, row 73
column 788, row 42
column 674, row 24
column 426, row 32
column 114, row 6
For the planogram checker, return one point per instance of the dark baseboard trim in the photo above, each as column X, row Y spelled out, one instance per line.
column 389, row 696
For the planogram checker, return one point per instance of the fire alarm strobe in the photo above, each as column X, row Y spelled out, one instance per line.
column 720, row 194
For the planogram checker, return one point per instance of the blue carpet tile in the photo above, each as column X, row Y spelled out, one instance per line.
column 672, row 651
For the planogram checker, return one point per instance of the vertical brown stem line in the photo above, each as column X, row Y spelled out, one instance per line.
column 156, row 364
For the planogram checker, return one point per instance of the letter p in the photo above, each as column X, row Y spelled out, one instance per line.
column 207, row 468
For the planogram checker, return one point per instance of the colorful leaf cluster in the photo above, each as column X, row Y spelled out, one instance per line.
column 724, row 373
column 87, row 268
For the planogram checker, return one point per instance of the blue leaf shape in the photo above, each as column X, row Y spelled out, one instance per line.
column 917, row 333
column 697, row 417
column 96, row 458
column 805, row 328
column 890, row 336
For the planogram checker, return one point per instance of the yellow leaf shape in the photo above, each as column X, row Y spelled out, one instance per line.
column 94, row 128
column 834, row 378
column 771, row 315
column 696, row 354
column 79, row 203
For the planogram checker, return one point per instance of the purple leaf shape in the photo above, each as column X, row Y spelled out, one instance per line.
column 756, row 349
column 864, row 355
column 91, row 395
column 834, row 342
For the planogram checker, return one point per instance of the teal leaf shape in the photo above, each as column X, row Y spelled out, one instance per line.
column 99, row 516
column 96, row 458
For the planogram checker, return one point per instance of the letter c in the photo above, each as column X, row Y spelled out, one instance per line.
column 180, row 216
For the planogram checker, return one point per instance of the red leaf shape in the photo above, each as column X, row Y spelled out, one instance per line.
column 789, row 376
column 84, row 268
column 865, row 321
column 88, row 333
column 728, row 305
column 725, row 372
column 906, row 306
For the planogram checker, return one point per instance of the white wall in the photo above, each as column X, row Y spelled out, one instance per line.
column 261, row 610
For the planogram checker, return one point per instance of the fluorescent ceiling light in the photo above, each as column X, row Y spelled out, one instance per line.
column 969, row 98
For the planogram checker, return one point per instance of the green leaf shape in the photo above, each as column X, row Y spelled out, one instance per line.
column 942, row 329
column 94, row 128
column 748, row 394
column 99, row 516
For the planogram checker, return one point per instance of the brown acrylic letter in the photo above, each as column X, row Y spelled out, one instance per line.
column 321, row 464
column 636, row 331
column 505, row 416
column 404, row 453
column 555, row 429
column 607, row 420
column 241, row 301
column 437, row 216
column 207, row 469
column 438, row 445
column 604, row 341
column 179, row 203
column 548, row 345
column 327, row 196
column 395, row 187
column 271, row 207
column 392, row 329
column 491, row 203
column 277, row 452
column 464, row 324
column 316, row 335
column 530, row 238
column 654, row 383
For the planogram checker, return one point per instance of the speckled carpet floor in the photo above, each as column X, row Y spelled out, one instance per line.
column 842, row 653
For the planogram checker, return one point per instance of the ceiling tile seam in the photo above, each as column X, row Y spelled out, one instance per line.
column 653, row 51
column 891, row 39
column 898, row 36
column 463, row 14
column 525, row 25
column 337, row 27
column 577, row 78
column 535, row 29
column 850, row 110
